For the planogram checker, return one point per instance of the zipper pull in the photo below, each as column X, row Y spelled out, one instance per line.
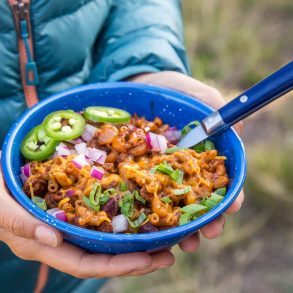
column 31, row 71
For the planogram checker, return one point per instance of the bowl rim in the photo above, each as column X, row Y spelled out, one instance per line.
column 185, row 229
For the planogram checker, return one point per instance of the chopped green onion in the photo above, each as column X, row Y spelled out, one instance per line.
column 138, row 197
column 182, row 190
column 216, row 197
column 209, row 145
column 184, row 219
column 123, row 187
column 187, row 127
column 221, row 191
column 174, row 149
column 166, row 199
column 126, row 205
column 191, row 211
column 40, row 202
column 137, row 223
column 154, row 169
column 199, row 148
column 176, row 175
column 203, row 202
column 193, row 208
column 104, row 198
column 95, row 194
column 110, row 191
column 165, row 168
column 89, row 204
column 212, row 201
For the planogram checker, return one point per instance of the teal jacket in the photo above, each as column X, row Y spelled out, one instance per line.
column 77, row 42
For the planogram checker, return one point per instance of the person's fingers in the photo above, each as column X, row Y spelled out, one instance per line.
column 213, row 229
column 81, row 264
column 19, row 222
column 130, row 263
column 236, row 205
column 16, row 220
column 76, row 261
column 191, row 243
column 160, row 260
column 239, row 127
column 185, row 84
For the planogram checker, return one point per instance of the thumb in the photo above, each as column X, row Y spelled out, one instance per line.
column 19, row 222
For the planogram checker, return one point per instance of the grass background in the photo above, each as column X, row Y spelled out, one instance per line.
column 231, row 45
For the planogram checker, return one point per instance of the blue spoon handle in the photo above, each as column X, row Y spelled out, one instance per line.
column 259, row 95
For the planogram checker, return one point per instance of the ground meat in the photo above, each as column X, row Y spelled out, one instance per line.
column 124, row 158
column 111, row 207
column 94, row 143
column 147, row 228
column 52, row 199
column 39, row 186
column 143, row 192
column 74, row 221
column 110, row 167
column 105, row 227
column 131, row 184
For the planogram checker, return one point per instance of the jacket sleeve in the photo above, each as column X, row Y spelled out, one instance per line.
column 140, row 36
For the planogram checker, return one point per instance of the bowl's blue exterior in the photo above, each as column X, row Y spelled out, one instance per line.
column 173, row 107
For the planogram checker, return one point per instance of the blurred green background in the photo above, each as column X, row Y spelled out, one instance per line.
column 231, row 45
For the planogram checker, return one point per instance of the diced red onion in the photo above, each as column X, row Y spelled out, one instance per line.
column 62, row 217
column 69, row 192
column 172, row 135
column 80, row 161
column 26, row 170
column 58, row 214
column 148, row 140
column 81, row 148
column 73, row 152
column 91, row 129
column 23, row 178
column 91, row 154
column 89, row 132
column 156, row 142
column 97, row 155
column 75, row 141
column 62, row 149
column 119, row 224
column 97, row 172
column 86, row 136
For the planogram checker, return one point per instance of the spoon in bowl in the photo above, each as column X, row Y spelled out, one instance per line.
column 264, row 92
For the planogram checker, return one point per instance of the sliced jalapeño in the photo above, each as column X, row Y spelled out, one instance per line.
column 64, row 125
column 37, row 146
column 106, row 115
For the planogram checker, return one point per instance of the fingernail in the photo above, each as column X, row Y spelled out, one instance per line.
column 141, row 268
column 164, row 266
column 46, row 236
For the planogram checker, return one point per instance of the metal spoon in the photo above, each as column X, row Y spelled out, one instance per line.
column 250, row 101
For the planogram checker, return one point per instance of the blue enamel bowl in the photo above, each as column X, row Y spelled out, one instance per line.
column 173, row 107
